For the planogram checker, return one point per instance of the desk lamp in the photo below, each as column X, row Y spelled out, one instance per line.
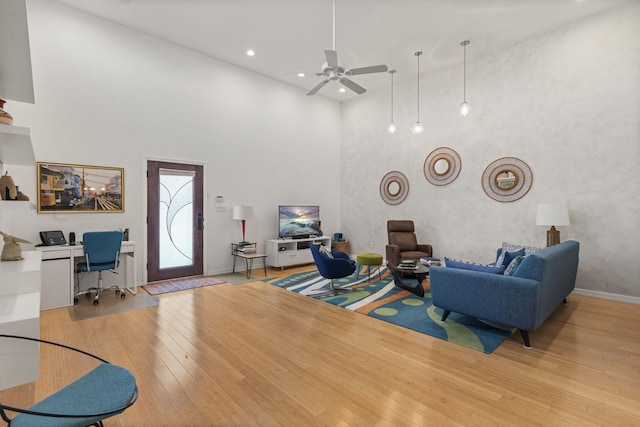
column 243, row 213
column 552, row 214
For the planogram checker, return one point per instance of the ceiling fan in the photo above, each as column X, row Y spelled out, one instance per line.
column 333, row 70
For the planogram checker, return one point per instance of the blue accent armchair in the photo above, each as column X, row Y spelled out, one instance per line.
column 333, row 268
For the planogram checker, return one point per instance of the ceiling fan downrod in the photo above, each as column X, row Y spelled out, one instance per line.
column 334, row 25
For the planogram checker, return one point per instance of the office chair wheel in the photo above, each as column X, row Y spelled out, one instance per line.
column 75, row 300
column 96, row 301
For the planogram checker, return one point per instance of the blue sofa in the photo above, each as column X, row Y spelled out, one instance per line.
column 524, row 300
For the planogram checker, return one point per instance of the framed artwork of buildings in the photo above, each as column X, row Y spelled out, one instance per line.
column 78, row 188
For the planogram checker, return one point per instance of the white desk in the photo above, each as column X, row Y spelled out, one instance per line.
column 19, row 315
column 58, row 273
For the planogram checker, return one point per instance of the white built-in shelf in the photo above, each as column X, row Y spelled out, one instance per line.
column 15, row 146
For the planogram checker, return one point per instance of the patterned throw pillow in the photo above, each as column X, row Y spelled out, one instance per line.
column 453, row 263
column 528, row 250
column 324, row 250
column 513, row 265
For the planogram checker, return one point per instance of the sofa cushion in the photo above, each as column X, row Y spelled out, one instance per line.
column 453, row 263
column 513, row 265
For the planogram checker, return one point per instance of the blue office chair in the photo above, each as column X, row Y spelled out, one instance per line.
column 105, row 391
column 101, row 252
column 333, row 268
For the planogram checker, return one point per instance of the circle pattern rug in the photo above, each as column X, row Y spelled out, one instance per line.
column 383, row 300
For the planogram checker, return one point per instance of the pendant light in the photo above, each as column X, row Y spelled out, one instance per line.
column 392, row 126
column 418, row 128
column 464, row 108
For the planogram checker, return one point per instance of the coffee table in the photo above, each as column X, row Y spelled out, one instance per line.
column 419, row 272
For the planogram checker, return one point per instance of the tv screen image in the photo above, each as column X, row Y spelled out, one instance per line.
column 298, row 221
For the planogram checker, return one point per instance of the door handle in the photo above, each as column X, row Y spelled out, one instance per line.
column 200, row 222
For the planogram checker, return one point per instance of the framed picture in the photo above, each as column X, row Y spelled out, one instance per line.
column 77, row 188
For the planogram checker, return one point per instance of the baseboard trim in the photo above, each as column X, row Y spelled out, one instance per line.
column 606, row 295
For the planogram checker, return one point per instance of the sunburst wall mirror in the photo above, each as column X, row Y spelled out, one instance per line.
column 394, row 188
column 442, row 166
column 507, row 179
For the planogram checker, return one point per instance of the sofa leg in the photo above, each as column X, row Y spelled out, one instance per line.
column 564, row 301
column 525, row 338
column 445, row 314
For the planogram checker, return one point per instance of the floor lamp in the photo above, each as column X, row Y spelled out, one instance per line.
column 552, row 214
column 243, row 213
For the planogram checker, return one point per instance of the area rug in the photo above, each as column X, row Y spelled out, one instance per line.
column 181, row 284
column 383, row 300
column 110, row 303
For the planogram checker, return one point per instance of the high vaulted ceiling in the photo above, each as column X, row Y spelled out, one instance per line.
column 291, row 35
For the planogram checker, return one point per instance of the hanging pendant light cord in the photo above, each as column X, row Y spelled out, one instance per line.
column 392, row 96
column 464, row 72
column 418, row 55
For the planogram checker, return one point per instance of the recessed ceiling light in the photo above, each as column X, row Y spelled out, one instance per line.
column 300, row 74
column 251, row 52
column 342, row 90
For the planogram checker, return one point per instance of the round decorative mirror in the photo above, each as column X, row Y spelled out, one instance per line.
column 507, row 179
column 394, row 188
column 442, row 166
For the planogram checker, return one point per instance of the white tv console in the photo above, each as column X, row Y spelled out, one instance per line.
column 285, row 252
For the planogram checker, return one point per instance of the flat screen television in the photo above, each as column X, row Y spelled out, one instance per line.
column 298, row 222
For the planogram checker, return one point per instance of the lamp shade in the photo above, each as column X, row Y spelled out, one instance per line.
column 242, row 212
column 552, row 214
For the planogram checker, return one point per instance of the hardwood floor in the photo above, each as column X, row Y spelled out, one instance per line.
column 256, row 355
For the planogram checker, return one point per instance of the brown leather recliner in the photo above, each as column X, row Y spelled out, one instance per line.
column 403, row 243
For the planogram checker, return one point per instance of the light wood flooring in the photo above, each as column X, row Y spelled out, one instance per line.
column 256, row 355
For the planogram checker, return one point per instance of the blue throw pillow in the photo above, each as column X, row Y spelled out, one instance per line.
column 453, row 263
column 510, row 256
column 513, row 265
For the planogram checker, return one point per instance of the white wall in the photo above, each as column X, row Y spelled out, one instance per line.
column 567, row 103
column 109, row 96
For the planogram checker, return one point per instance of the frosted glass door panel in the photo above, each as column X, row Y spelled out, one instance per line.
column 176, row 218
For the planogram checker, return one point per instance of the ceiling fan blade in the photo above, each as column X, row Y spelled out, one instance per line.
column 353, row 85
column 367, row 70
column 306, row 73
column 332, row 58
column 318, row 87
